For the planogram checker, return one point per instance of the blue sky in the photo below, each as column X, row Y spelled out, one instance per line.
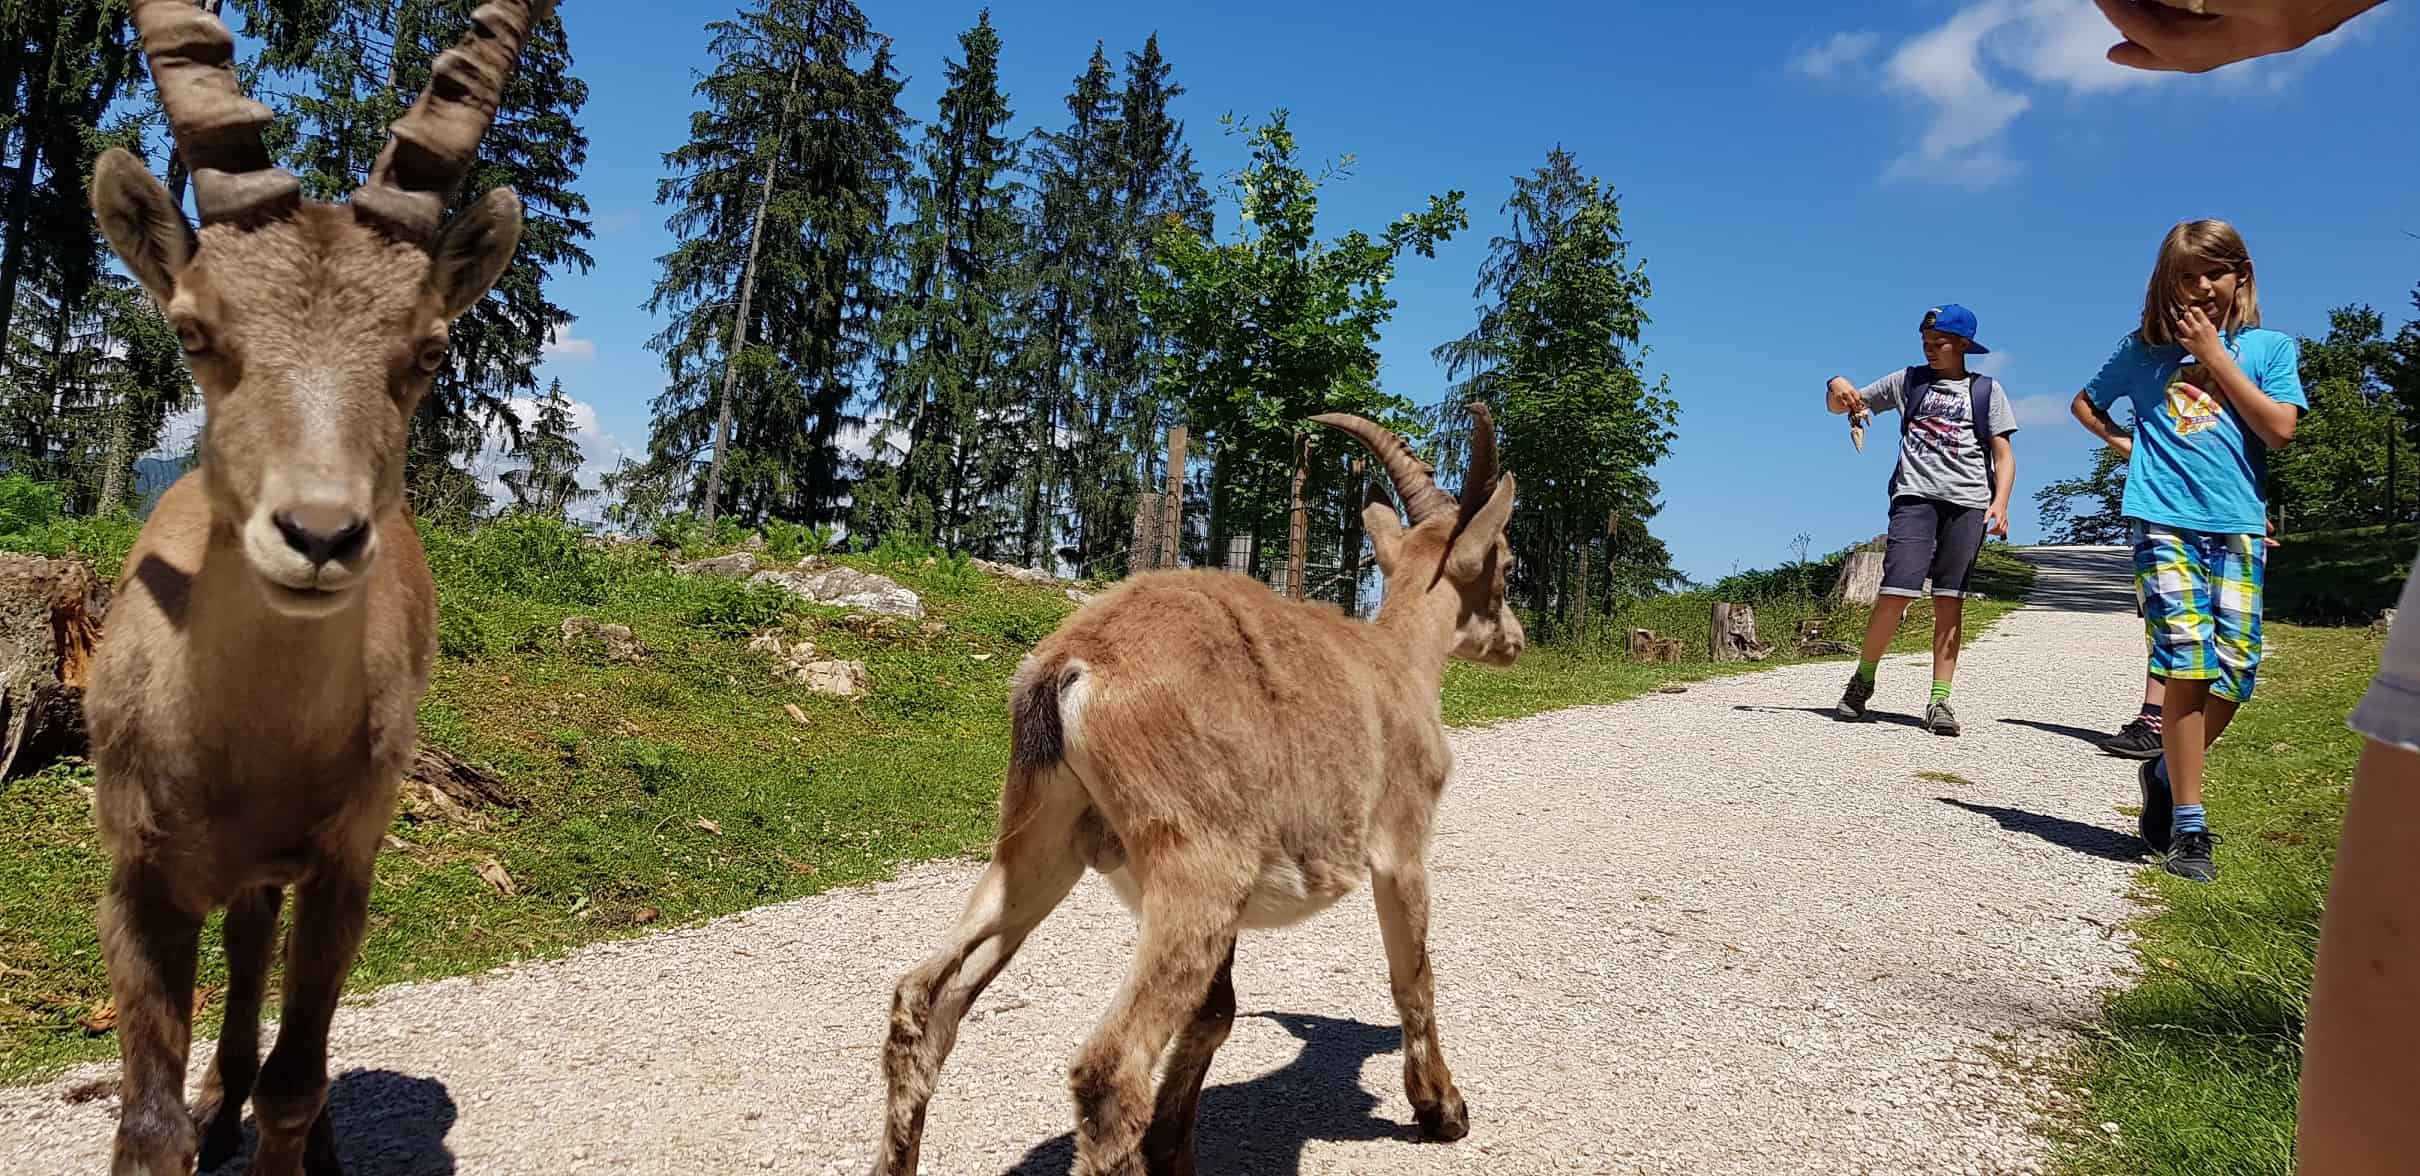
column 1802, row 182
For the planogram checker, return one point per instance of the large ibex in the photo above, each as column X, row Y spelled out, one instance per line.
column 254, row 701
column 1228, row 759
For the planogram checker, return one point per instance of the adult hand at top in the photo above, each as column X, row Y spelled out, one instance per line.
column 2195, row 36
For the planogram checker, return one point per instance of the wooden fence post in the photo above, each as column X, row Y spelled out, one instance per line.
column 1172, row 532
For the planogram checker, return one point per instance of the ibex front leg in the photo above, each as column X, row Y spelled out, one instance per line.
column 251, row 935
column 1401, row 890
column 331, row 909
column 149, row 942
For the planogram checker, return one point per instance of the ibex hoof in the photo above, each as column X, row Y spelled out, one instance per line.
column 1445, row 1122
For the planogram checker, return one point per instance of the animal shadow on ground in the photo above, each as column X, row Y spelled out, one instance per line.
column 2076, row 835
column 1260, row 1127
column 2088, row 736
column 387, row 1124
column 1871, row 715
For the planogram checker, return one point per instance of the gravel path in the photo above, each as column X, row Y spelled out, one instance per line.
column 1707, row 932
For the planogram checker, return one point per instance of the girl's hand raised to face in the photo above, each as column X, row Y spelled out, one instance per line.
column 2197, row 333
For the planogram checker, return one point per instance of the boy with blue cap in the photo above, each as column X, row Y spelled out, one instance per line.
column 1951, row 486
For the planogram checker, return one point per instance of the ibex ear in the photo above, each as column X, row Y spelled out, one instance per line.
column 1478, row 537
column 470, row 253
column 1378, row 517
column 141, row 221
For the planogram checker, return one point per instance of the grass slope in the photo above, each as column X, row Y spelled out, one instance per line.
column 680, row 788
column 2197, row 1062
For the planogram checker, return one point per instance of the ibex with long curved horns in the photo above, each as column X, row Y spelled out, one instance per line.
column 254, row 702
column 1228, row 759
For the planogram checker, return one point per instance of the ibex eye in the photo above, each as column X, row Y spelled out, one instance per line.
column 191, row 337
column 432, row 356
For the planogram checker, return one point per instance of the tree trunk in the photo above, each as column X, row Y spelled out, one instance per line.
column 1860, row 578
column 20, row 202
column 113, row 476
column 1298, row 518
column 747, row 294
column 50, row 622
column 1732, row 635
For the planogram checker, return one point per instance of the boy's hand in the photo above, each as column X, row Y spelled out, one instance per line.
column 1995, row 519
column 2198, row 334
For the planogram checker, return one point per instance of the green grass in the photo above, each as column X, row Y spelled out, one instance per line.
column 2198, row 1061
column 2337, row 577
column 617, row 771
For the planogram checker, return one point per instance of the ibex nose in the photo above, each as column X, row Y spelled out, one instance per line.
column 323, row 532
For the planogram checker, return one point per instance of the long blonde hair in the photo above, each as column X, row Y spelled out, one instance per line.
column 2213, row 241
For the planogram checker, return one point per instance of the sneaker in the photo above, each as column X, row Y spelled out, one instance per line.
column 2135, row 740
column 1853, row 699
column 2158, row 806
column 2190, row 858
column 1940, row 720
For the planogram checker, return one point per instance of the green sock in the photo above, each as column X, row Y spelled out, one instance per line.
column 1865, row 671
column 1940, row 690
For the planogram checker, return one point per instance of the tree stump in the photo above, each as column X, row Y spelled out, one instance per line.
column 1860, row 579
column 1642, row 644
column 1668, row 650
column 50, row 623
column 1150, row 525
column 454, row 789
column 1732, row 637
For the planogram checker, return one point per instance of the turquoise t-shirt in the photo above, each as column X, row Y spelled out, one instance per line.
column 2196, row 464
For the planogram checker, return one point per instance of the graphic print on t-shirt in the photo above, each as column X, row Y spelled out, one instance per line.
column 2191, row 405
column 1942, row 421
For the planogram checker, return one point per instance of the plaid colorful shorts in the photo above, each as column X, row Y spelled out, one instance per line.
column 2201, row 605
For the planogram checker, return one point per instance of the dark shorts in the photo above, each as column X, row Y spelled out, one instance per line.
column 1931, row 539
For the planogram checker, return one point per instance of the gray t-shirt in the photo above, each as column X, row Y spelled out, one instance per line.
column 1941, row 459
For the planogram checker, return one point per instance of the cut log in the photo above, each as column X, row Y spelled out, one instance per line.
column 1642, row 644
column 1732, row 636
column 1668, row 650
column 1150, row 520
column 50, row 623
column 453, row 788
column 1860, row 579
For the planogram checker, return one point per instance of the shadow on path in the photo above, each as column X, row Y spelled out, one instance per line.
column 387, row 1124
column 2107, row 844
column 1260, row 1127
column 2089, row 736
column 1871, row 716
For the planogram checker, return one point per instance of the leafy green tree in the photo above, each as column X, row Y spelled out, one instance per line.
column 2089, row 509
column 950, row 335
column 550, row 484
column 1555, row 355
column 2350, row 463
column 1276, row 326
column 781, row 207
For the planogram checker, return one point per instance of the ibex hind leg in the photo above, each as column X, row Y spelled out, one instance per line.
column 1032, row 869
column 1168, row 1144
column 1401, row 889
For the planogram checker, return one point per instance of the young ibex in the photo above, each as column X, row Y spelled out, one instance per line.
column 254, row 701
column 1228, row 759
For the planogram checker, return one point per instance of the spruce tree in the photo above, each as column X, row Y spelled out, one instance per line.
column 550, row 483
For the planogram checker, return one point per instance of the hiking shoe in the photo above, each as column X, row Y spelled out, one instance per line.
column 2158, row 806
column 2190, row 858
column 1940, row 720
column 2135, row 740
column 1853, row 699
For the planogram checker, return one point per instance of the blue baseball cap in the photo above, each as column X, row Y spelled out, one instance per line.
column 1951, row 318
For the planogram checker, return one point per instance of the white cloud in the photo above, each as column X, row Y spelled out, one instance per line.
column 1992, row 61
column 1836, row 54
column 561, row 347
column 2043, row 411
